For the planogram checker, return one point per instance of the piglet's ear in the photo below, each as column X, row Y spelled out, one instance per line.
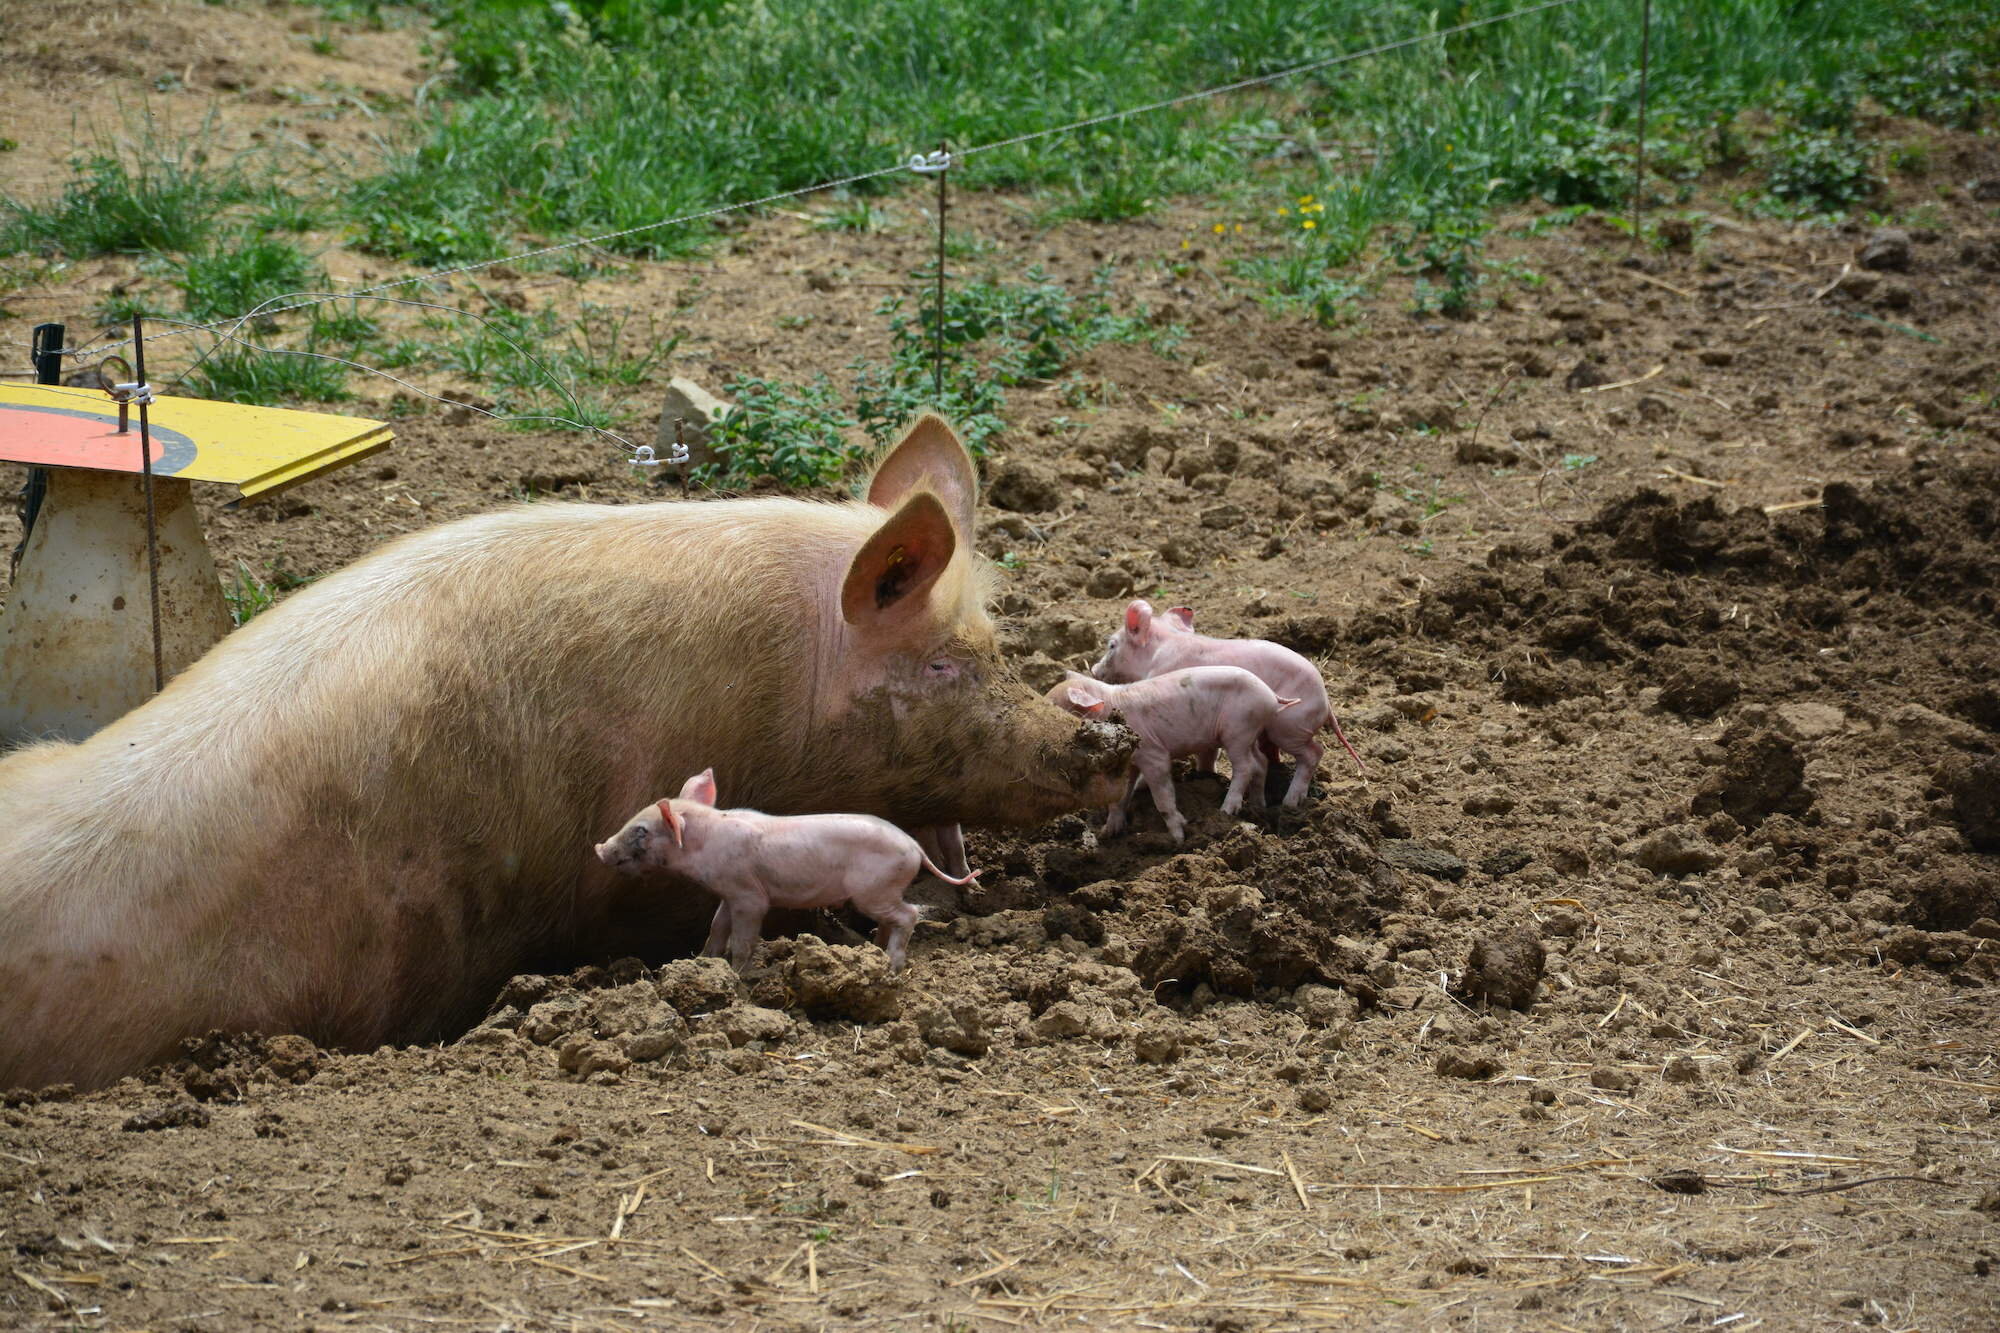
column 929, row 457
column 895, row 568
column 1139, row 618
column 675, row 825
column 1184, row 614
column 700, row 788
column 1083, row 700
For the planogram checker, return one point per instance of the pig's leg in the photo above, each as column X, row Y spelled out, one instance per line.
column 1305, row 765
column 1157, row 768
column 1116, row 815
column 746, row 923
column 1246, row 774
column 951, row 843
column 718, row 931
column 893, row 933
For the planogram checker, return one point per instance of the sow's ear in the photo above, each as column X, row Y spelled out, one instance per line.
column 930, row 458
column 1184, row 614
column 700, row 788
column 895, row 568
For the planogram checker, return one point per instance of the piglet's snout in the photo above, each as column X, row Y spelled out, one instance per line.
column 624, row 849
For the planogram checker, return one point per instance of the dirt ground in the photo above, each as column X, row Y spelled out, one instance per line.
column 1645, row 980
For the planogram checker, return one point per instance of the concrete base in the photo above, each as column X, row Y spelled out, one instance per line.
column 76, row 637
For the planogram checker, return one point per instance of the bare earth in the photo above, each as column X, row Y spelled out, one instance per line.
column 1646, row 980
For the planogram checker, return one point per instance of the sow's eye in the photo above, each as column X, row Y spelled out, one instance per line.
column 941, row 669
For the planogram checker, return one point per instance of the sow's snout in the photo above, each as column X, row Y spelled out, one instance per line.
column 1104, row 750
column 1078, row 763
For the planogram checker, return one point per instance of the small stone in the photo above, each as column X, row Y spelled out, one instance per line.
column 1431, row 861
column 1024, row 486
column 1505, row 968
column 697, row 410
column 1585, row 374
column 1492, row 801
column 1222, row 516
column 1887, row 248
column 1313, row 1100
column 1810, row 722
column 697, row 985
column 584, row 1055
column 1716, row 356
column 744, row 1023
column 1468, row 1064
column 1109, row 581
column 1157, row 1043
column 291, row 1057
column 1610, row 1078
column 176, row 1115
column 1677, row 849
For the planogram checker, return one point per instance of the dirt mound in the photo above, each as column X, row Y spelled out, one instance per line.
column 1852, row 626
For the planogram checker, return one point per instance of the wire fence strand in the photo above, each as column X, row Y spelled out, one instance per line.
column 267, row 309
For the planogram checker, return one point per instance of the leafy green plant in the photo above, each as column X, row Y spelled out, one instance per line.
column 247, row 595
column 793, row 432
column 1818, row 171
column 852, row 215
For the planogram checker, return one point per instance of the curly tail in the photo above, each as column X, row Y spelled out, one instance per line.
column 1334, row 722
column 940, row 874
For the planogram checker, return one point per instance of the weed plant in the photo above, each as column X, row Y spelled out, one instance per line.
column 995, row 335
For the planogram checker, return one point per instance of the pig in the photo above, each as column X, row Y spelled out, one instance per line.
column 754, row 862
column 360, row 813
column 1190, row 711
column 1149, row 645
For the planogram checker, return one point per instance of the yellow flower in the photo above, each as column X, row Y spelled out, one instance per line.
column 1305, row 198
column 1447, row 148
column 1219, row 229
column 1185, row 243
column 1309, row 224
column 1239, row 229
column 1284, row 212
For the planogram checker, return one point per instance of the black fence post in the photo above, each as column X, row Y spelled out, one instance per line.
column 47, row 355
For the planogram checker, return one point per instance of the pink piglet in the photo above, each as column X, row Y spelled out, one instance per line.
column 754, row 862
column 1151, row 645
column 1188, row 712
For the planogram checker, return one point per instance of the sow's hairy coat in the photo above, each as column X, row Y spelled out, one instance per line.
column 361, row 812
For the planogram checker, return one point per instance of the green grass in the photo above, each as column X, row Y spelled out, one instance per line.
column 118, row 206
column 616, row 113
column 239, row 374
column 246, row 271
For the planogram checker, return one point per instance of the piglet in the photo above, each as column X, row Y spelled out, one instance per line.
column 1149, row 645
column 754, row 862
column 1193, row 711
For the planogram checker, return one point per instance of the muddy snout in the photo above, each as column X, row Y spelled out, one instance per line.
column 1100, row 754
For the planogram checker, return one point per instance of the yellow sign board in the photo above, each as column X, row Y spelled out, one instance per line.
column 258, row 450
